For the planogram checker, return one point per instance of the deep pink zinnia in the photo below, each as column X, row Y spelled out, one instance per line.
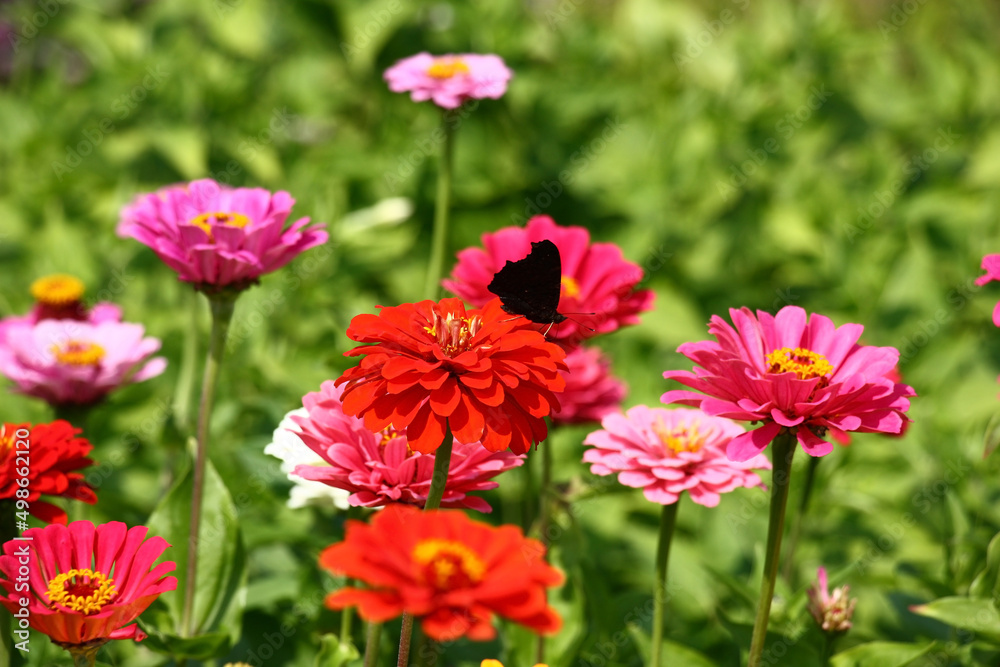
column 380, row 468
column 666, row 452
column 449, row 80
column 591, row 391
column 86, row 584
column 991, row 265
column 596, row 278
column 66, row 362
column 216, row 236
column 60, row 297
column 792, row 375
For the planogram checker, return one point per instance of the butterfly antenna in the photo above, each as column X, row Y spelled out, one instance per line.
column 581, row 324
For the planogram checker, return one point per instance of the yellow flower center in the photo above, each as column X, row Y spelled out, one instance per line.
column 6, row 440
column 445, row 68
column 57, row 290
column 804, row 363
column 205, row 221
column 454, row 334
column 683, row 438
column 570, row 287
column 447, row 564
column 84, row 591
column 78, row 353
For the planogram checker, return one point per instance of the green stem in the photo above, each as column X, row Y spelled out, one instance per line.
column 442, row 462
column 222, row 314
column 793, row 538
column 74, row 414
column 543, row 526
column 439, row 241
column 372, row 638
column 85, row 655
column 783, row 448
column 668, row 520
column 346, row 617
column 186, row 375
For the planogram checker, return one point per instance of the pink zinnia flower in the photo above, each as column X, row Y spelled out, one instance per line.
column 832, row 611
column 216, row 236
column 794, row 375
column 596, row 278
column 591, row 391
column 665, row 452
column 66, row 362
column 60, row 297
column 86, row 584
column 380, row 468
column 449, row 80
column 991, row 265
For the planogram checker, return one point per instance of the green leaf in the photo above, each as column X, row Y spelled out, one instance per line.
column 967, row 613
column 991, row 439
column 987, row 582
column 334, row 654
column 674, row 654
column 880, row 654
column 220, row 595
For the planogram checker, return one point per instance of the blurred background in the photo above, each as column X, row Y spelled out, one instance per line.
column 841, row 156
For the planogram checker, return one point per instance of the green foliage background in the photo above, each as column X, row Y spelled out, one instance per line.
column 839, row 156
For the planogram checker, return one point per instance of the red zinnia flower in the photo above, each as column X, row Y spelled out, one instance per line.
column 51, row 454
column 596, row 278
column 451, row 572
column 86, row 584
column 792, row 373
column 485, row 375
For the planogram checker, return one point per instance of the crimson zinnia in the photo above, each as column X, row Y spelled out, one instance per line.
column 449, row 571
column 87, row 583
column 482, row 374
column 51, row 456
column 791, row 373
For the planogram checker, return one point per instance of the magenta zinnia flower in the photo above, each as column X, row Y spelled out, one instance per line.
column 214, row 236
column 66, row 362
column 591, row 391
column 380, row 468
column 794, row 375
column 596, row 278
column 449, row 80
column 665, row 452
column 86, row 584
column 991, row 265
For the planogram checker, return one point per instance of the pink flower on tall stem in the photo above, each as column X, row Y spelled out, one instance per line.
column 666, row 452
column 991, row 265
column 596, row 278
column 791, row 374
column 591, row 391
column 380, row 468
column 449, row 80
column 66, row 362
column 87, row 583
column 216, row 237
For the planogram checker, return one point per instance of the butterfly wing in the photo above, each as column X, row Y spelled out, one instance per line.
column 531, row 286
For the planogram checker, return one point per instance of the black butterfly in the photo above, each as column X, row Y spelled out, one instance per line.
column 531, row 286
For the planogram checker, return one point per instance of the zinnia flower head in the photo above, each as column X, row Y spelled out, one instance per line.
column 87, row 583
column 449, row 80
column 596, row 278
column 591, row 391
column 60, row 297
column 288, row 446
column 218, row 237
column 496, row 663
column 484, row 375
column 450, row 572
column 832, row 611
column 54, row 455
column 791, row 374
column 665, row 452
column 991, row 265
column 380, row 468
column 65, row 362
